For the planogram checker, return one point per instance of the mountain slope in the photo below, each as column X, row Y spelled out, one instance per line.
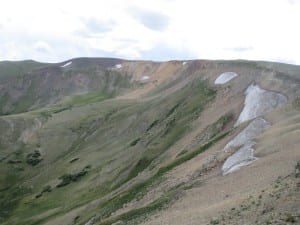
column 30, row 85
column 103, row 141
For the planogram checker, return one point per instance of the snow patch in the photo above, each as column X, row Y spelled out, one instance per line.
column 145, row 78
column 183, row 63
column 67, row 64
column 225, row 77
column 259, row 101
column 245, row 155
column 255, row 128
column 118, row 66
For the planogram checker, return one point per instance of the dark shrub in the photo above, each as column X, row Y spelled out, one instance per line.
column 34, row 158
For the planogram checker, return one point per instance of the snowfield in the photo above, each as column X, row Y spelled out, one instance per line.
column 118, row 66
column 245, row 141
column 225, row 77
column 67, row 64
column 255, row 128
column 145, row 78
column 259, row 101
column 244, row 156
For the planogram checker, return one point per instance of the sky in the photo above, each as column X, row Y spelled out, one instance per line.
column 57, row 30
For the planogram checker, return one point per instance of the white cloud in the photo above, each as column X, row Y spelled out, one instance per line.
column 42, row 47
column 211, row 29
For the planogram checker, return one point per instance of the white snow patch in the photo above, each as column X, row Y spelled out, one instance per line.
column 225, row 77
column 183, row 63
column 259, row 101
column 244, row 156
column 67, row 64
column 255, row 128
column 145, row 78
column 118, row 66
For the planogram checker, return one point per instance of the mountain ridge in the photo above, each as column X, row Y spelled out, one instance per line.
column 133, row 142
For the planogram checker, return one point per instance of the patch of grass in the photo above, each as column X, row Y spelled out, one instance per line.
column 34, row 158
column 25, row 102
column 142, row 164
column 73, row 160
column 89, row 98
column 190, row 155
column 69, row 178
column 154, row 123
column 61, row 109
column 181, row 153
column 47, row 188
column 11, row 195
column 154, row 206
column 10, row 200
column 214, row 221
column 134, row 142
column 140, row 189
column 172, row 110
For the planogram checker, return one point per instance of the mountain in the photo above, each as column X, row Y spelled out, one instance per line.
column 112, row 141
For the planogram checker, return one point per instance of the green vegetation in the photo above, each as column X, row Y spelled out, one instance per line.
column 155, row 122
column 190, row 155
column 76, row 121
column 100, row 133
column 134, row 142
column 154, row 206
column 79, row 86
column 47, row 189
column 10, row 199
column 69, row 178
column 34, row 158
column 78, row 100
column 142, row 164
column 11, row 193
column 9, row 69
column 138, row 190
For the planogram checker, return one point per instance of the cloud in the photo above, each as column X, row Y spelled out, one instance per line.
column 150, row 19
column 293, row 1
column 42, row 47
column 156, row 30
column 241, row 49
column 93, row 26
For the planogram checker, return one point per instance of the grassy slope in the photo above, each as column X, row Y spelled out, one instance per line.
column 117, row 138
column 30, row 85
column 99, row 134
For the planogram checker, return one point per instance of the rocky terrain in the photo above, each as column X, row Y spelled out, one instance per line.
column 98, row 141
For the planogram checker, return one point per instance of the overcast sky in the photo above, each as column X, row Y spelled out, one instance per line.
column 57, row 30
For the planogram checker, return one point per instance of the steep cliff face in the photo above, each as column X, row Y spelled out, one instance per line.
column 111, row 141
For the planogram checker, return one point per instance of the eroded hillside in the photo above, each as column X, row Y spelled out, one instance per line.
column 110, row 141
